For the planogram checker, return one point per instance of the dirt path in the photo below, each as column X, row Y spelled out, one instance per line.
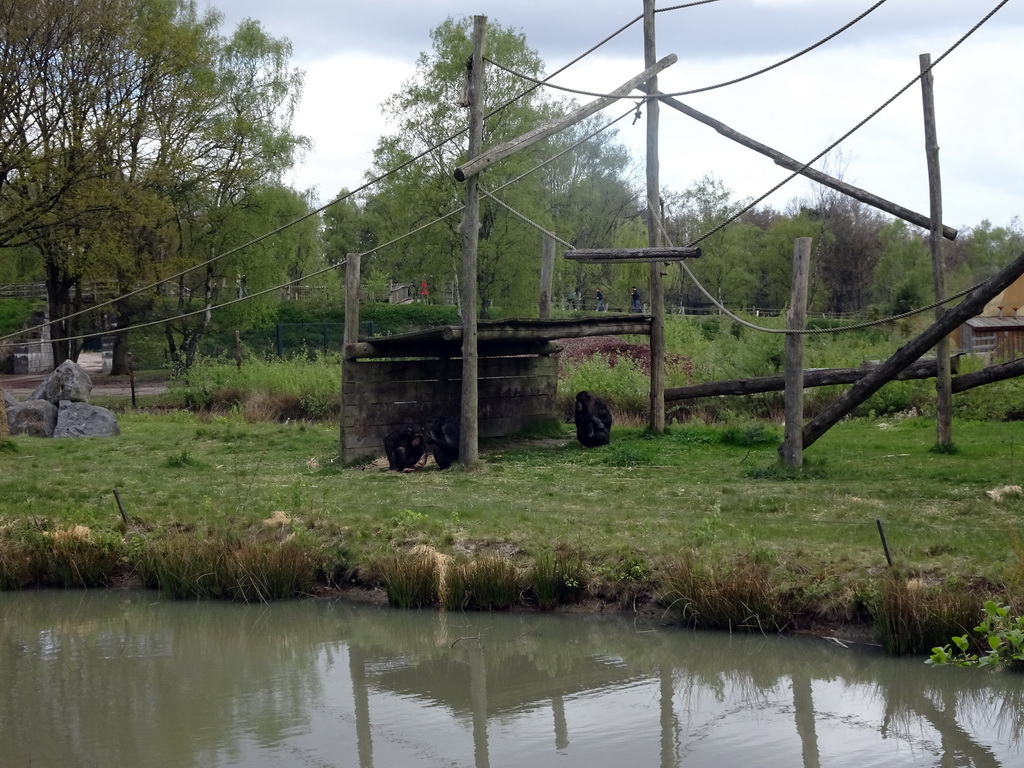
column 23, row 385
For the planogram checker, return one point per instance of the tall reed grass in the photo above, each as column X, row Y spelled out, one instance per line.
column 913, row 617
column 251, row 568
column 410, row 579
column 713, row 593
column 557, row 578
column 72, row 557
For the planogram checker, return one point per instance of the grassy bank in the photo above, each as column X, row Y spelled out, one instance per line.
column 700, row 522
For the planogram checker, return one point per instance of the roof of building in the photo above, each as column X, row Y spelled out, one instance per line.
column 996, row 323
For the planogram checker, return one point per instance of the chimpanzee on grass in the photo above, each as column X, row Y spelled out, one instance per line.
column 593, row 420
column 443, row 436
column 405, row 449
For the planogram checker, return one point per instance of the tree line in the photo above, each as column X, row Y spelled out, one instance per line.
column 138, row 145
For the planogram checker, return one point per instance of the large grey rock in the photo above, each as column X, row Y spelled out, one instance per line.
column 35, row 418
column 9, row 400
column 67, row 382
column 84, row 420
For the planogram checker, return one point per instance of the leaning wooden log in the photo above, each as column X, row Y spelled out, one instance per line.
column 815, row 377
column 625, row 255
column 786, row 161
column 989, row 375
column 500, row 152
column 912, row 350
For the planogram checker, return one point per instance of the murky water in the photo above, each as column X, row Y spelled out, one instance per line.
column 129, row 679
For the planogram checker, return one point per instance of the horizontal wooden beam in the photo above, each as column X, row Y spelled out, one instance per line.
column 788, row 162
column 922, row 369
column 989, row 375
column 632, row 254
column 450, row 348
column 500, row 152
column 559, row 329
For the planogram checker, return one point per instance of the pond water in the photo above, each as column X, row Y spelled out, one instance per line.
column 127, row 678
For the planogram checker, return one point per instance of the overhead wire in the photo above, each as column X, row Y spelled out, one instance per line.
column 703, row 89
column 853, row 130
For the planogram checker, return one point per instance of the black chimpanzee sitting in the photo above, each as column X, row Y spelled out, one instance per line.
column 404, row 447
column 443, row 436
column 593, row 420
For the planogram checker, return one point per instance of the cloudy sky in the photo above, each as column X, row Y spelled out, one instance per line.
column 357, row 53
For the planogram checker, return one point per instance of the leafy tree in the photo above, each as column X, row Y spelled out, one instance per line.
column 981, row 251
column 344, row 229
column 724, row 269
column 249, row 144
column 427, row 112
column 902, row 280
column 133, row 135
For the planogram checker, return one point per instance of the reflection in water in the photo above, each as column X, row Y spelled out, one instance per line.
column 127, row 678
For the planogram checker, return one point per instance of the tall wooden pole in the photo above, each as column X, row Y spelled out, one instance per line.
column 351, row 337
column 352, row 298
column 944, row 381
column 547, row 273
column 796, row 319
column 654, row 234
column 469, row 450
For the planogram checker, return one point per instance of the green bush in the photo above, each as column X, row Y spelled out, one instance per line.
column 315, row 383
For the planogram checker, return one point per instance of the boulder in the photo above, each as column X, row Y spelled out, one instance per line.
column 35, row 418
column 67, row 382
column 84, row 420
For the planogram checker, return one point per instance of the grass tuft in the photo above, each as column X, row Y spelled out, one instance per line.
column 557, row 578
column 410, row 579
column 257, row 567
column 913, row 617
column 713, row 594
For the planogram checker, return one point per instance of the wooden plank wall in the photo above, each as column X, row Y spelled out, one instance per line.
column 378, row 395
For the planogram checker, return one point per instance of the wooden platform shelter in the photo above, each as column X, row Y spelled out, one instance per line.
column 416, row 377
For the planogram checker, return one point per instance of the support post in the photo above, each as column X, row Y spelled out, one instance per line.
column 351, row 338
column 944, row 381
column 654, row 234
column 352, row 298
column 796, row 320
column 547, row 273
column 469, row 450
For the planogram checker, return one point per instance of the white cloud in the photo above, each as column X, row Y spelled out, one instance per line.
column 356, row 55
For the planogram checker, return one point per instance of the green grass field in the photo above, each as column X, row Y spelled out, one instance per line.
column 627, row 511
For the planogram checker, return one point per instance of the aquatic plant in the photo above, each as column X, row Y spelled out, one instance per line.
column 493, row 583
column 75, row 556
column 1002, row 641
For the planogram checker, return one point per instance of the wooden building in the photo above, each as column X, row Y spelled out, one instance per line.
column 998, row 332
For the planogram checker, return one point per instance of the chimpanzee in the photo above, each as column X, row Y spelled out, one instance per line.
column 593, row 420
column 404, row 447
column 443, row 435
